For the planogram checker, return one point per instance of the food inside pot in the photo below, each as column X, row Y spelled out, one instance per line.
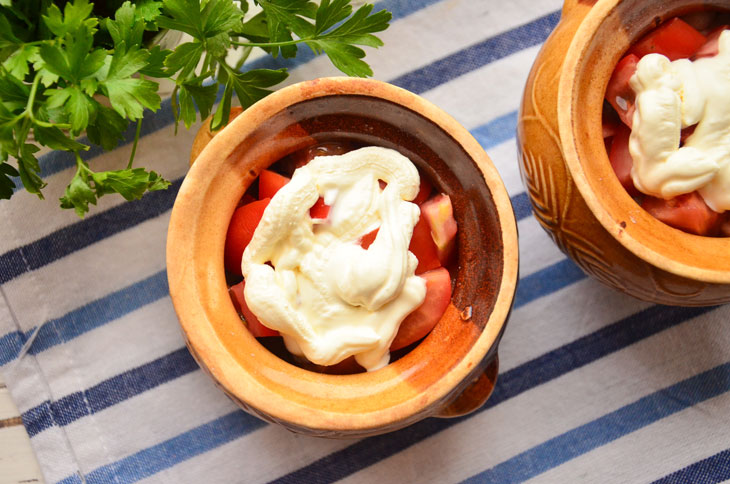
column 666, row 122
column 353, row 260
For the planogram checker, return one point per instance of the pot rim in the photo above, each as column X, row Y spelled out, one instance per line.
column 568, row 129
column 194, row 316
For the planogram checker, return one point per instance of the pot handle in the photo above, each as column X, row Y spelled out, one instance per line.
column 475, row 394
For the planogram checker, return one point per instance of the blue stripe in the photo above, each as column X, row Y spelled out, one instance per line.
column 510, row 384
column 610, row 427
column 496, row 131
column 57, row 161
column 178, row 363
column 83, row 233
column 707, row 471
column 547, row 281
column 177, row 449
column 340, row 464
column 109, row 392
column 92, row 315
column 478, row 55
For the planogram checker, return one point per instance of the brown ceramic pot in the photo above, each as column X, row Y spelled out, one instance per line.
column 574, row 193
column 453, row 370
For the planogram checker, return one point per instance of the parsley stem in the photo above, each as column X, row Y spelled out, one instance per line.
column 31, row 96
column 134, row 145
column 269, row 44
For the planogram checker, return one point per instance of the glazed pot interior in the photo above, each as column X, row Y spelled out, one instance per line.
column 605, row 35
column 439, row 367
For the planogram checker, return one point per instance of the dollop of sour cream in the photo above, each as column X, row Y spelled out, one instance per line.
column 327, row 296
column 671, row 96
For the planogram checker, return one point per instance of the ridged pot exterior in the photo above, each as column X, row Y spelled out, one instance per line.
column 556, row 126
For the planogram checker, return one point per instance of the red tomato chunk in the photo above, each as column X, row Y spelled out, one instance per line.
column 240, row 231
column 257, row 329
column 687, row 212
column 675, row 39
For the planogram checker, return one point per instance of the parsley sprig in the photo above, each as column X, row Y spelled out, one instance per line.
column 69, row 68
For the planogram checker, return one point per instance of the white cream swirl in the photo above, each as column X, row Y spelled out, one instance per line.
column 326, row 295
column 671, row 96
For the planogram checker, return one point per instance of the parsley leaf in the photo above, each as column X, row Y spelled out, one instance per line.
column 7, row 171
column 88, row 186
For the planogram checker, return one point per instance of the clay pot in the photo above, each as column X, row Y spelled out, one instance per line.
column 574, row 193
column 453, row 370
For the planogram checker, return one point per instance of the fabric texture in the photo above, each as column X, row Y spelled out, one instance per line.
column 594, row 386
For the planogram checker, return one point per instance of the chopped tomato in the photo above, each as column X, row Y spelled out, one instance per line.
column 424, row 191
column 619, row 93
column 675, row 39
column 423, row 247
column 240, row 230
column 686, row 133
column 422, row 320
column 687, row 212
column 711, row 46
column 368, row 239
column 440, row 217
column 319, row 210
column 269, row 183
column 239, row 302
column 621, row 160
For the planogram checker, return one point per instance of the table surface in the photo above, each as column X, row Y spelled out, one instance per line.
column 17, row 460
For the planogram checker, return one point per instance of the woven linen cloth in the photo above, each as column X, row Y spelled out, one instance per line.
column 594, row 386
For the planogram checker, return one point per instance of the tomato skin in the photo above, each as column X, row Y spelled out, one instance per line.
column 619, row 92
column 423, row 192
column 687, row 212
column 439, row 214
column 367, row 239
column 621, row 159
column 423, row 247
column 711, row 46
column 240, row 231
column 270, row 182
column 422, row 320
column 319, row 210
column 675, row 39
column 257, row 329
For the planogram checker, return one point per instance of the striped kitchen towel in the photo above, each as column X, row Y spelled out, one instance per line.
column 594, row 386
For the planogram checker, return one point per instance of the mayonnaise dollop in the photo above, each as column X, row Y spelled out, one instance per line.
column 674, row 95
column 326, row 295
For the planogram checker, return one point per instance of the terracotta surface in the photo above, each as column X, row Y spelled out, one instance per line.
column 427, row 381
column 574, row 193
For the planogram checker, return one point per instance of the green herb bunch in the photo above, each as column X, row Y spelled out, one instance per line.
column 69, row 68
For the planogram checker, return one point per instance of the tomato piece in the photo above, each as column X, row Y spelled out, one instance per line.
column 319, row 210
column 711, row 46
column 686, row 133
column 424, row 191
column 257, row 329
column 367, row 239
column 621, row 159
column 269, row 183
column 240, row 230
column 423, row 247
column 440, row 217
column 422, row 320
column 687, row 212
column 675, row 39
column 619, row 92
